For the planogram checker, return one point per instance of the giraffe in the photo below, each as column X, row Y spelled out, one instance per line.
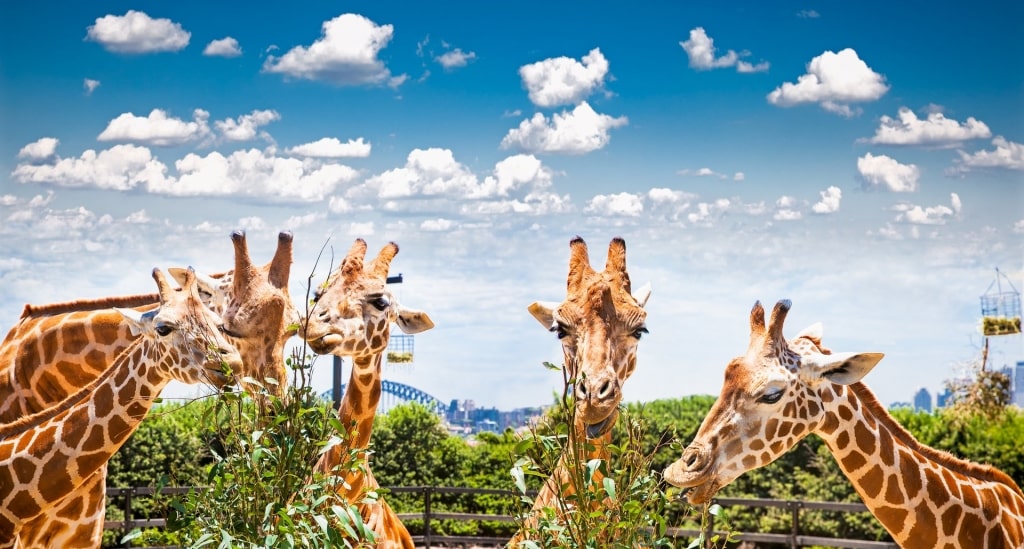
column 55, row 349
column 257, row 310
column 352, row 316
column 48, row 460
column 599, row 324
column 779, row 392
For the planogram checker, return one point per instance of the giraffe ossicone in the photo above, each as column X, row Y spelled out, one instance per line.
column 780, row 391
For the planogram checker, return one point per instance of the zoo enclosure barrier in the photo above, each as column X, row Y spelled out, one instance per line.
column 428, row 539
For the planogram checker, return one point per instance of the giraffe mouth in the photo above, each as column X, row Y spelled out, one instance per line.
column 325, row 344
column 596, row 430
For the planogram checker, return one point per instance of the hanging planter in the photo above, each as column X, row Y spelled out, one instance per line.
column 1000, row 308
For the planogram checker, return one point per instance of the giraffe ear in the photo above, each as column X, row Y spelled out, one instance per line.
column 137, row 320
column 412, row 321
column 210, row 286
column 544, row 312
column 642, row 295
column 842, row 368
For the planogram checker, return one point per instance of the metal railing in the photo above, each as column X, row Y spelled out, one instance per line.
column 429, row 539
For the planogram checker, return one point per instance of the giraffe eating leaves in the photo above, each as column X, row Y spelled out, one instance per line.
column 780, row 391
column 50, row 459
column 599, row 325
column 352, row 317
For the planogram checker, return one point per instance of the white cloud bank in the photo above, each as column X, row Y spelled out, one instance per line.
column 1006, row 155
column 246, row 127
column 332, row 147
column 834, row 81
column 829, row 202
column 137, row 32
column 578, row 132
column 345, row 55
column 932, row 215
column 885, row 173
column 563, row 80
column 700, row 48
column 934, row 131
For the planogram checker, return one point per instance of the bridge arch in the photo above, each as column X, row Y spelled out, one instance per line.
column 400, row 393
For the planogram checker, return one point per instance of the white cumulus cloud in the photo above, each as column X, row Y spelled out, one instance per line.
column 563, row 80
column 121, row 167
column 932, row 215
column 225, row 47
column 833, row 80
column 332, row 147
column 137, row 32
column 700, row 48
column 621, row 204
column 934, row 131
column 1006, row 155
column 157, row 129
column 578, row 132
column 246, row 127
column 40, row 149
column 454, row 59
column 883, row 172
column 346, row 54
column 829, row 202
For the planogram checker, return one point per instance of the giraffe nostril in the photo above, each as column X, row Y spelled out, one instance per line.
column 581, row 390
column 690, row 457
column 605, row 390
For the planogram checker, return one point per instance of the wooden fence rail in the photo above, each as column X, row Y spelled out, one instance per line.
column 428, row 539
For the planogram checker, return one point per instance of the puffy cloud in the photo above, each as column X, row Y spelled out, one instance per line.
column 578, row 132
column 703, row 172
column 246, row 127
column 934, row 131
column 700, row 48
column 345, row 54
column 41, row 149
column 833, row 80
column 1007, row 155
column 621, row 204
column 562, row 80
column 121, row 167
column 933, row 215
column 225, row 47
column 437, row 225
column 137, row 32
column 706, row 213
column 157, row 129
column 90, row 85
column 829, row 203
column 255, row 174
column 454, row 59
column 331, row 147
column 882, row 172
column 786, row 209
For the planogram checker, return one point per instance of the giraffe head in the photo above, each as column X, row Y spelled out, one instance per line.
column 353, row 310
column 772, row 397
column 599, row 324
column 255, row 306
column 184, row 325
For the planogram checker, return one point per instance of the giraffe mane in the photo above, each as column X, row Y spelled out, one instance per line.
column 968, row 468
column 137, row 300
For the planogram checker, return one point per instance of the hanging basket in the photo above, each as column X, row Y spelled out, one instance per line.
column 400, row 349
column 1000, row 308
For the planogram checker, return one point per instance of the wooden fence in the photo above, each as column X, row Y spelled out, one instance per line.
column 429, row 539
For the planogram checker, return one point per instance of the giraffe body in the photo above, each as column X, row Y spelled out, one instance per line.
column 599, row 324
column 56, row 349
column 781, row 391
column 51, row 458
column 352, row 317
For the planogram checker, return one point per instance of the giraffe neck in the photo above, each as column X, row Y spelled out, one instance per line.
column 47, row 357
column 923, row 497
column 59, row 454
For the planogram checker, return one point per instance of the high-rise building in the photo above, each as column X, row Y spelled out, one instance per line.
column 923, row 400
column 1018, row 384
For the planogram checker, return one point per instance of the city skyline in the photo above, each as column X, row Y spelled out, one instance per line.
column 865, row 160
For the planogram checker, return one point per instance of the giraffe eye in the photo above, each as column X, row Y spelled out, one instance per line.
column 770, row 398
column 380, row 303
column 560, row 330
column 164, row 329
column 639, row 332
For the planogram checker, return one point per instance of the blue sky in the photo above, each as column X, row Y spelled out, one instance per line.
column 862, row 159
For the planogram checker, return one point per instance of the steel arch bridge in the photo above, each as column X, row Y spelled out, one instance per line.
column 394, row 393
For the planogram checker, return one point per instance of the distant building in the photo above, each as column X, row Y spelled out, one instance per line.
column 1018, row 384
column 944, row 398
column 923, row 400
